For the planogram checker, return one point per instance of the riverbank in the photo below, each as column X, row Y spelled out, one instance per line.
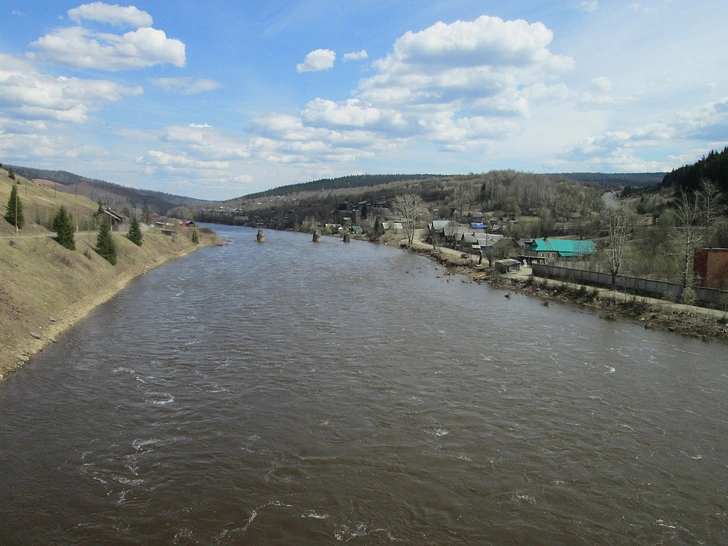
column 46, row 288
column 655, row 314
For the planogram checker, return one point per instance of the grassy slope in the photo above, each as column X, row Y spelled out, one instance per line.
column 46, row 288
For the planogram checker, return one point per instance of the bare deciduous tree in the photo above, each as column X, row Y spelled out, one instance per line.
column 689, row 231
column 710, row 201
column 410, row 207
column 618, row 222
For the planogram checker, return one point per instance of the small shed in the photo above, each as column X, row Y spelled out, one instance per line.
column 507, row 265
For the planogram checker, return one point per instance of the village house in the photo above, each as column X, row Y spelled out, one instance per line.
column 555, row 250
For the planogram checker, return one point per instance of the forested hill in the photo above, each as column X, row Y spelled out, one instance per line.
column 353, row 181
column 625, row 179
column 110, row 194
column 714, row 167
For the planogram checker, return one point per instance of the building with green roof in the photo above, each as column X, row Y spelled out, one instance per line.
column 552, row 250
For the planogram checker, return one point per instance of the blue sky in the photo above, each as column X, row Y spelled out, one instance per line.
column 218, row 99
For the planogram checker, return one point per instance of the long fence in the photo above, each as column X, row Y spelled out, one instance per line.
column 710, row 297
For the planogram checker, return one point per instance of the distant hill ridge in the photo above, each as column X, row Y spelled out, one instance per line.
column 369, row 180
column 114, row 195
column 351, row 181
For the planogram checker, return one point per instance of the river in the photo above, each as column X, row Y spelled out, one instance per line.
column 298, row 393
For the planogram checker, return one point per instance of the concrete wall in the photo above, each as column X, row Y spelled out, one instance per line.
column 632, row 285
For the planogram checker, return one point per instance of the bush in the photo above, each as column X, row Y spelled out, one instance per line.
column 688, row 296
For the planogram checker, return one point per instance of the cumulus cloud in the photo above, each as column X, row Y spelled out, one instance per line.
column 319, row 59
column 351, row 113
column 80, row 47
column 601, row 83
column 185, row 86
column 179, row 162
column 455, row 65
column 356, row 55
column 615, row 150
column 112, row 14
column 286, row 139
column 30, row 95
column 590, row 6
column 461, row 86
column 204, row 142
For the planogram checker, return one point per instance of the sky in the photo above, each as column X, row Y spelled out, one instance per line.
column 223, row 98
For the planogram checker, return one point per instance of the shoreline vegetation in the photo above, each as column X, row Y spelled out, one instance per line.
column 46, row 288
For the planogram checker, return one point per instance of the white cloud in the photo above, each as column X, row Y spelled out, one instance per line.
column 351, row 113
column 472, row 73
column 319, row 59
column 185, row 86
column 81, row 48
column 112, row 14
column 29, row 95
column 590, row 7
column 460, row 86
column 179, row 162
column 356, row 55
column 601, row 83
column 204, row 142
column 615, row 150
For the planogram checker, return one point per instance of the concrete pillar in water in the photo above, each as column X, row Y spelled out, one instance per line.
column 260, row 237
column 316, row 237
column 347, row 237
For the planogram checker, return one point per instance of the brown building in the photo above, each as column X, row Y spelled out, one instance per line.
column 710, row 266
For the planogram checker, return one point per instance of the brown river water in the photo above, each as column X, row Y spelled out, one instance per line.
column 298, row 393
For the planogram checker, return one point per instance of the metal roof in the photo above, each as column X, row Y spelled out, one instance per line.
column 564, row 247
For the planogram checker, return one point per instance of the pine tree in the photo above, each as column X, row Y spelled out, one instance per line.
column 63, row 227
column 105, row 246
column 195, row 237
column 14, row 214
column 135, row 232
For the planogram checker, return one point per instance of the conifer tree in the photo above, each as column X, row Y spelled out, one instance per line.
column 195, row 237
column 63, row 227
column 135, row 232
column 14, row 214
column 105, row 246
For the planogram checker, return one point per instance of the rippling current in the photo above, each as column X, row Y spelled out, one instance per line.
column 300, row 393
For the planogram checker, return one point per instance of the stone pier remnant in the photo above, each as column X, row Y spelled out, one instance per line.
column 316, row 237
column 260, row 237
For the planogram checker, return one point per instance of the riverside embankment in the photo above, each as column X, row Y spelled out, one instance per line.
column 46, row 288
column 654, row 314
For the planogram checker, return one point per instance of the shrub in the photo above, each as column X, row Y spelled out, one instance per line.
column 688, row 296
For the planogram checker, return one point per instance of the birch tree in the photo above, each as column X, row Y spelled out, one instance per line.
column 410, row 207
column 689, row 231
column 618, row 222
